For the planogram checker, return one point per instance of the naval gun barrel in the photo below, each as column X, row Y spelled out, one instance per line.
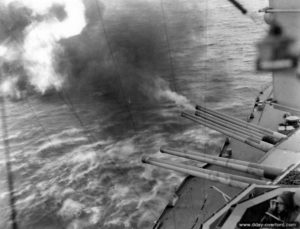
column 217, row 126
column 224, row 178
column 230, row 125
column 254, row 142
column 243, row 166
column 239, row 122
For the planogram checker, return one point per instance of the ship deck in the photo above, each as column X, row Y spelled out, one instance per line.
column 197, row 200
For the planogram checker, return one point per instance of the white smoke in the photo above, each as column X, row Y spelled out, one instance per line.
column 40, row 46
column 41, row 41
column 178, row 99
column 10, row 52
column 8, row 87
column 3, row 50
column 161, row 90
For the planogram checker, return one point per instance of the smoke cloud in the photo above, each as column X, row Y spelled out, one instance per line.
column 87, row 48
column 31, row 33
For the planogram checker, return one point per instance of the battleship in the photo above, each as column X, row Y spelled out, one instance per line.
column 254, row 181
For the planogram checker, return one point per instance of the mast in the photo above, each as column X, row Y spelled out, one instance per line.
column 286, row 83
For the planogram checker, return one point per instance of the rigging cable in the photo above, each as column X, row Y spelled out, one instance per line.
column 12, row 201
column 127, row 104
column 117, row 70
column 171, row 61
column 204, row 191
column 38, row 120
column 67, row 100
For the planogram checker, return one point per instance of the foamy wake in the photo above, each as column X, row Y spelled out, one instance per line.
column 106, row 188
column 80, row 215
column 99, row 184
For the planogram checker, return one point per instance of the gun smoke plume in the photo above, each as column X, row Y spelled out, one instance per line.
column 82, row 46
column 33, row 31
